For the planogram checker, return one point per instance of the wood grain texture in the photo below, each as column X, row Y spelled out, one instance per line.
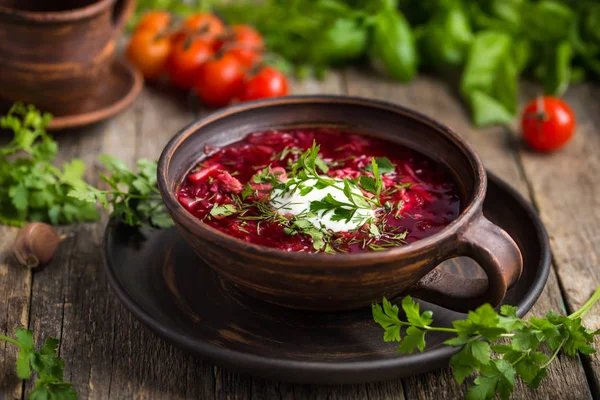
column 497, row 152
column 566, row 190
column 15, row 289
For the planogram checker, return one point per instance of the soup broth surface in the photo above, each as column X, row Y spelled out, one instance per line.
column 321, row 190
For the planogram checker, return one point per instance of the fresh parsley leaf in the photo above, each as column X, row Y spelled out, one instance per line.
column 223, row 210
column 481, row 351
column 387, row 317
column 368, row 183
column 526, row 338
column 25, row 339
column 50, row 384
column 463, row 363
column 414, row 338
column 248, row 191
column 413, row 315
column 133, row 196
column 384, row 164
column 498, row 377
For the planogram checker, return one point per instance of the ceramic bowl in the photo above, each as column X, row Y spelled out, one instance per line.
column 329, row 282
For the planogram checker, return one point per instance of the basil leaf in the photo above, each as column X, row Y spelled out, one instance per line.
column 498, row 15
column 558, row 69
column 393, row 46
column 345, row 39
column 446, row 38
column 489, row 81
column 547, row 21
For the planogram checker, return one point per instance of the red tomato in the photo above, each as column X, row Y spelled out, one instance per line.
column 268, row 82
column 156, row 21
column 148, row 51
column 204, row 24
column 187, row 55
column 548, row 123
column 247, row 45
column 220, row 80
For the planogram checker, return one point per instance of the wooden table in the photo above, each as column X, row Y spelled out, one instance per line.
column 110, row 355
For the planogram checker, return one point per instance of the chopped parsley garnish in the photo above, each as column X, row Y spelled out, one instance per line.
column 306, row 174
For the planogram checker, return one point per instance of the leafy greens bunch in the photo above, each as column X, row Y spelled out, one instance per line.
column 132, row 195
column 489, row 44
column 50, row 384
column 32, row 188
column 521, row 350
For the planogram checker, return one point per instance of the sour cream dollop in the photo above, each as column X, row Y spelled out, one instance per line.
column 294, row 203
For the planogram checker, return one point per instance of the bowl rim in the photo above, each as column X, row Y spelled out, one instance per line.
column 196, row 227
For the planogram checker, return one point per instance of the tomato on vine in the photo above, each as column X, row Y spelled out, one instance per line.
column 548, row 123
column 187, row 56
column 204, row 24
column 267, row 82
column 246, row 44
column 220, row 80
column 156, row 20
column 149, row 51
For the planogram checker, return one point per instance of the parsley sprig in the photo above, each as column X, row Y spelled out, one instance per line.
column 495, row 346
column 50, row 383
column 32, row 188
column 132, row 195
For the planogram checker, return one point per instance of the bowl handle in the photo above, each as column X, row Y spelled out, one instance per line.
column 121, row 12
column 495, row 251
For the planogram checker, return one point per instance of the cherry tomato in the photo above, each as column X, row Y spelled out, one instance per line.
column 548, row 123
column 220, row 80
column 268, row 82
column 247, row 45
column 148, row 51
column 187, row 55
column 156, row 21
column 205, row 24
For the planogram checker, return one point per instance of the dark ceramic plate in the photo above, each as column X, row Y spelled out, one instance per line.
column 163, row 283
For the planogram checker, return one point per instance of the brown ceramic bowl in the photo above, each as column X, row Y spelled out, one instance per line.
column 347, row 281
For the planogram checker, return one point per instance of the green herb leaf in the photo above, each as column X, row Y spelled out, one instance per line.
column 48, row 366
column 414, row 338
column 489, row 81
column 393, row 46
column 31, row 187
column 383, row 163
column 413, row 315
column 224, row 210
column 518, row 356
column 498, row 377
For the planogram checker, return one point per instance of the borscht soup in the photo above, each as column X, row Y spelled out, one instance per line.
column 320, row 190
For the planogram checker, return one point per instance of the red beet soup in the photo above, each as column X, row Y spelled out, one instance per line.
column 321, row 190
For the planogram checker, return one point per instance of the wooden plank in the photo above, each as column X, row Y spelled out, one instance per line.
column 432, row 97
column 15, row 288
column 565, row 187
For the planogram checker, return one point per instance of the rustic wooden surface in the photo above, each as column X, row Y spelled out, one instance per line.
column 110, row 355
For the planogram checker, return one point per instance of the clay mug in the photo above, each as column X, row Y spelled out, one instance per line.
column 56, row 53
